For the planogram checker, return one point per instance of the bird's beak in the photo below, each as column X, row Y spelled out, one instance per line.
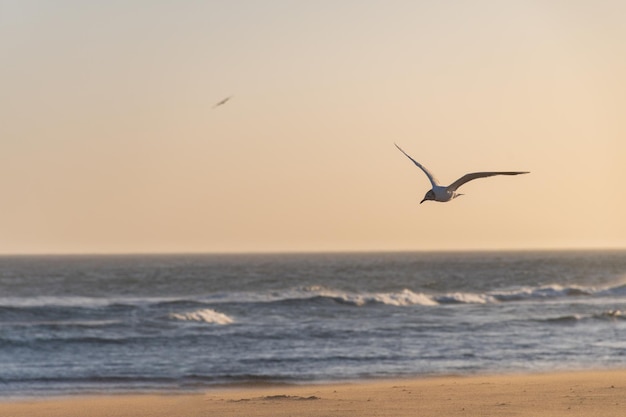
column 422, row 201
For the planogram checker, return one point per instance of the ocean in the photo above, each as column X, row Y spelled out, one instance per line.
column 93, row 324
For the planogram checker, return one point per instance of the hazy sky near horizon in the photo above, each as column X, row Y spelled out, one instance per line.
column 110, row 141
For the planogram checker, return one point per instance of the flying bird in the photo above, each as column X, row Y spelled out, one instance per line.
column 222, row 102
column 442, row 193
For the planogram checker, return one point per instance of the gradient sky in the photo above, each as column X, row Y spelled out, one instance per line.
column 110, row 142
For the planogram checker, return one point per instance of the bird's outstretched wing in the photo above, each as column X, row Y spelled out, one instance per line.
column 474, row 175
column 431, row 177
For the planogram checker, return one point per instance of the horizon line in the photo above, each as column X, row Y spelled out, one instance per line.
column 314, row 252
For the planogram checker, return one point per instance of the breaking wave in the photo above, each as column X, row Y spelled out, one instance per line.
column 543, row 292
column 199, row 308
column 206, row 315
column 403, row 298
column 407, row 297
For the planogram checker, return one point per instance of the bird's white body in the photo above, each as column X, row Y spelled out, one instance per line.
column 442, row 193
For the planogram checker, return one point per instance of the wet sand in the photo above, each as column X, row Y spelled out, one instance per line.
column 587, row 393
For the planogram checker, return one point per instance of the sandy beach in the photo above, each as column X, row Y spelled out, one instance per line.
column 588, row 393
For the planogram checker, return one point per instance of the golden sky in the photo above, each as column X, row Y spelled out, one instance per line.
column 110, row 141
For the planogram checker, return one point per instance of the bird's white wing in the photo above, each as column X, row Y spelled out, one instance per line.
column 474, row 175
column 430, row 176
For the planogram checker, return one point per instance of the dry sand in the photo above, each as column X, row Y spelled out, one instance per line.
column 601, row 393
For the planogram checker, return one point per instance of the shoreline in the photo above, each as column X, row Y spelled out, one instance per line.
column 560, row 393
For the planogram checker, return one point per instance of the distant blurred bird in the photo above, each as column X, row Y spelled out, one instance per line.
column 442, row 193
column 222, row 102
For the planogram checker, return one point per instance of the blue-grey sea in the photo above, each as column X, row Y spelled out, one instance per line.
column 85, row 324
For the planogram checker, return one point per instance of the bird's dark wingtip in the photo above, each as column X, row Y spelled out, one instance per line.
column 399, row 148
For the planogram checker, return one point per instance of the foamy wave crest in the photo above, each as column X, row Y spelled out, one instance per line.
column 206, row 315
column 407, row 297
column 402, row 298
column 547, row 291
column 464, row 298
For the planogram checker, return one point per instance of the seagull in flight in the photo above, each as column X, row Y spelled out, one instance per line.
column 222, row 102
column 442, row 193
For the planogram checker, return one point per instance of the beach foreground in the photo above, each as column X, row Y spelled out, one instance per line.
column 601, row 393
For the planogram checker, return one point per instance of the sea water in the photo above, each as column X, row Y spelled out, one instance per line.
column 79, row 324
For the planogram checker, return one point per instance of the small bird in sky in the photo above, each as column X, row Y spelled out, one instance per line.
column 222, row 102
column 442, row 193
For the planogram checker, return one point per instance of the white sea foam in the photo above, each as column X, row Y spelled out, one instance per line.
column 403, row 298
column 407, row 297
column 546, row 291
column 206, row 315
column 465, row 298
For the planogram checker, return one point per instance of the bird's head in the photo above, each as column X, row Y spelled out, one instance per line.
column 430, row 195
